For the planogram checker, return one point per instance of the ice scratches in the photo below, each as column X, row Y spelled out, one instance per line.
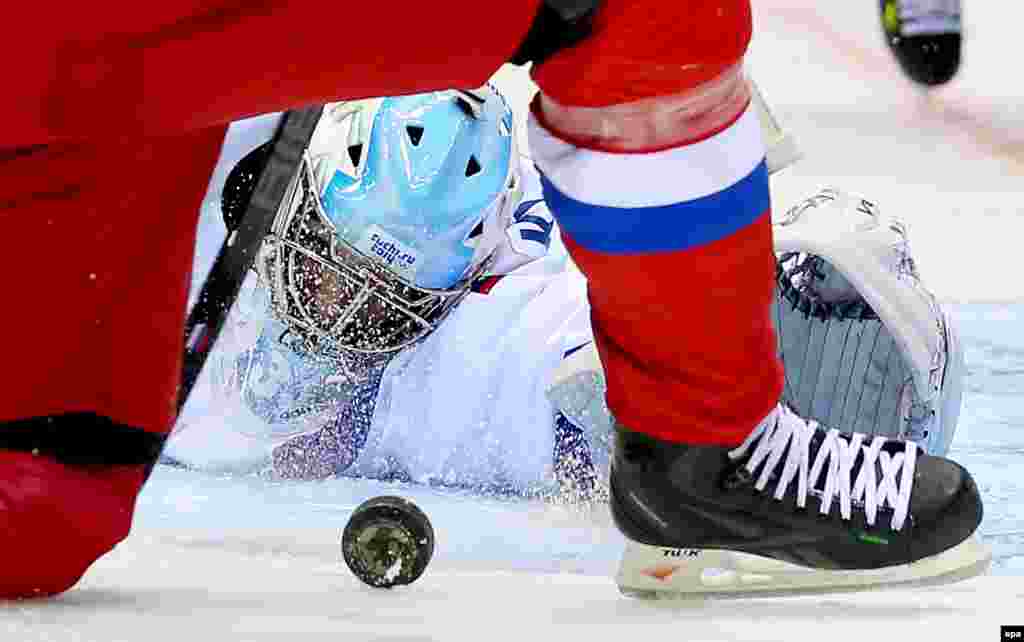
column 265, row 545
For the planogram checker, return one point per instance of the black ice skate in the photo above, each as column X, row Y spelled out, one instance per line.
column 925, row 37
column 794, row 509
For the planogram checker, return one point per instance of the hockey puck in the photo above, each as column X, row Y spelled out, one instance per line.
column 388, row 541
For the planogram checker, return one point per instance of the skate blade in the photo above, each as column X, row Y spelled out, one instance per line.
column 653, row 572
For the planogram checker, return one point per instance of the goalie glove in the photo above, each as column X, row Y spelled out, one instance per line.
column 865, row 346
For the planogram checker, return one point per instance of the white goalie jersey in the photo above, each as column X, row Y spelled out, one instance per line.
column 468, row 403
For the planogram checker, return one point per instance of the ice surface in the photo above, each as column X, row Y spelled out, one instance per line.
column 239, row 558
column 950, row 161
column 177, row 588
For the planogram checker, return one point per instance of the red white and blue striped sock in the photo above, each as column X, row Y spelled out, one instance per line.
column 676, row 245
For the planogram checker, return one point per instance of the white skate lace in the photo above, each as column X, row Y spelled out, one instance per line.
column 782, row 431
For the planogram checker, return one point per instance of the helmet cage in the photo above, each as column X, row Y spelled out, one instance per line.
column 334, row 297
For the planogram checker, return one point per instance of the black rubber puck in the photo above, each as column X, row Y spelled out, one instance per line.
column 387, row 542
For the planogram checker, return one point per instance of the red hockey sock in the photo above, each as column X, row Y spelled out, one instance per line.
column 652, row 162
column 647, row 48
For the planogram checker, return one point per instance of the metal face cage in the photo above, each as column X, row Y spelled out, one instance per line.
column 335, row 298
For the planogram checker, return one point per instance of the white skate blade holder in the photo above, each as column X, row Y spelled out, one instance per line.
column 657, row 572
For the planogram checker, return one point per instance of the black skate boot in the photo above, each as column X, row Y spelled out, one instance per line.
column 925, row 38
column 794, row 509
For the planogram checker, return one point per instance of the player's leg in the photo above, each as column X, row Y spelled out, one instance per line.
column 101, row 244
column 174, row 66
column 663, row 120
column 101, row 189
column 653, row 165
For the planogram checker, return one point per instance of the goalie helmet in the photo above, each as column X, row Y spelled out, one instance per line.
column 400, row 204
column 865, row 346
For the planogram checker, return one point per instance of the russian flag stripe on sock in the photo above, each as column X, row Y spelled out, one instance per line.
column 658, row 202
column 676, row 247
column 666, row 228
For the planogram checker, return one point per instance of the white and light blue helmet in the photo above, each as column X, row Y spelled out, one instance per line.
column 401, row 204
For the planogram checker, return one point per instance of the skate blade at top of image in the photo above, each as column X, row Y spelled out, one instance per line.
column 693, row 575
